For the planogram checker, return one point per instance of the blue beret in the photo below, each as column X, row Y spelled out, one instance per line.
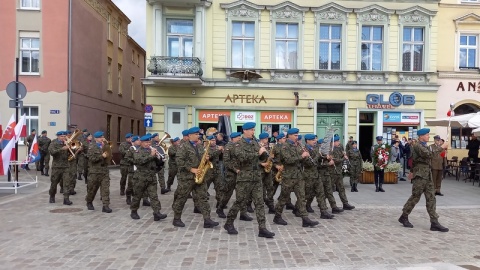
column 175, row 139
column 128, row 135
column 211, row 137
column 60, row 133
column 280, row 136
column 320, row 141
column 145, row 138
column 263, row 135
column 423, row 131
column 379, row 138
column 154, row 135
column 248, row 125
column 309, row 137
column 194, row 130
column 185, row 132
column 293, row 131
column 235, row 134
column 98, row 134
column 68, row 132
column 135, row 138
column 336, row 138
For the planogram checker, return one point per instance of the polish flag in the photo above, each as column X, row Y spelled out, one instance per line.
column 5, row 157
column 9, row 133
column 19, row 128
column 34, row 154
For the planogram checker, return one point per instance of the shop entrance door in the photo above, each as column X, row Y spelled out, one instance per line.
column 327, row 120
column 175, row 121
column 365, row 137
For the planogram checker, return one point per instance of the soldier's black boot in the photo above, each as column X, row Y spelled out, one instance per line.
column 196, row 210
column 296, row 212
column 347, row 206
column 336, row 210
column 157, row 216
column 279, row 220
column 435, row 226
column 356, row 184
column 353, row 188
column 42, row 171
column 263, row 232
column 289, row 206
column 129, row 200
column 134, row 214
column 208, row 223
column 86, row 180
column 90, row 206
column 220, row 213
column 271, row 209
column 106, row 209
column 163, row 190
column 52, row 199
column 46, row 172
column 73, row 192
column 376, row 189
column 79, row 176
column 122, row 191
column 404, row 220
column 309, row 208
column 178, row 223
column 146, row 202
column 169, row 188
column 250, row 208
column 245, row 217
column 380, row 188
column 230, row 228
column 326, row 215
column 306, row 222
column 67, row 201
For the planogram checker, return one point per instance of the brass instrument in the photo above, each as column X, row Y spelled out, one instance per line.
column 278, row 176
column 203, row 167
column 73, row 144
column 268, row 167
column 159, row 155
column 107, row 149
column 162, row 144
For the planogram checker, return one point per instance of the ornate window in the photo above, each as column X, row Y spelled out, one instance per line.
column 374, row 24
column 243, row 22
column 180, row 37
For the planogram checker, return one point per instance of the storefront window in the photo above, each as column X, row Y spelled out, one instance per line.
column 329, row 108
column 460, row 137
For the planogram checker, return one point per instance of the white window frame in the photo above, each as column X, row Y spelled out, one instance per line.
column 30, row 4
column 476, row 47
column 181, row 48
column 411, row 43
column 469, row 1
column 243, row 39
column 373, row 42
column 287, row 40
column 29, row 118
column 120, row 35
column 31, row 36
column 109, row 26
column 330, row 41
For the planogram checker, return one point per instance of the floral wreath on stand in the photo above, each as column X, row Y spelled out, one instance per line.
column 381, row 156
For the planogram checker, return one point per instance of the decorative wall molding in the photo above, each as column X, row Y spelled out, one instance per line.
column 242, row 9
column 416, row 15
column 103, row 11
column 374, row 13
column 287, row 11
column 413, row 78
column 332, row 12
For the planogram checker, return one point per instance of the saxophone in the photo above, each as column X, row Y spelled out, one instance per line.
column 203, row 167
column 268, row 167
column 278, row 176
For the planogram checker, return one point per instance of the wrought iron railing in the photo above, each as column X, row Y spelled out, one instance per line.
column 175, row 66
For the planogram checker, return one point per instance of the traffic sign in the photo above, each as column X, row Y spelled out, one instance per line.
column 22, row 90
column 54, row 111
column 147, row 122
column 148, row 116
column 15, row 104
column 148, row 108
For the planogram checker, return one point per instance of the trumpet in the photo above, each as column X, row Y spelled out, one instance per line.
column 159, row 155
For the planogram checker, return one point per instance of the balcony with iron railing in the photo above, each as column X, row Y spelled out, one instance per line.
column 174, row 70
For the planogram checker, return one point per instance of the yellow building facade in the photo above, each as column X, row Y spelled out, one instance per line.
column 363, row 68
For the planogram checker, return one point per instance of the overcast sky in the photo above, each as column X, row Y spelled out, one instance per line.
column 135, row 11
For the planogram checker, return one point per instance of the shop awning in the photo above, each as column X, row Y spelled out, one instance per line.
column 471, row 120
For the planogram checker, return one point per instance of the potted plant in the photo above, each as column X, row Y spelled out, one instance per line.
column 391, row 172
column 367, row 173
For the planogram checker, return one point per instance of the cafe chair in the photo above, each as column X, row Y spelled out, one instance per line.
column 464, row 168
column 451, row 168
column 477, row 174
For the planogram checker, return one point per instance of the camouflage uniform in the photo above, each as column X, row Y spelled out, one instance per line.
column 214, row 175
column 59, row 168
column 98, row 174
column 43, row 144
column 324, row 174
column 124, row 165
column 313, row 182
column 129, row 159
column 72, row 170
column 437, row 167
column 267, row 181
column 336, row 173
column 172, row 165
column 356, row 163
column 422, row 180
column 161, row 172
column 144, row 179
column 81, row 159
column 188, row 157
column 249, row 181
column 289, row 155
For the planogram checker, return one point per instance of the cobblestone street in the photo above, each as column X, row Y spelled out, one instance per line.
column 39, row 235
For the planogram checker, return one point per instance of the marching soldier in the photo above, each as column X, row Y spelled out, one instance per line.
column 59, row 151
column 213, row 174
column 249, row 181
column 231, row 166
column 266, row 177
column 437, row 164
column 421, row 176
column 356, row 164
column 275, row 184
column 131, row 168
column 336, row 172
column 161, row 174
column 81, row 160
column 98, row 173
column 43, row 144
column 291, row 157
column 188, row 158
column 124, row 164
column 172, row 164
column 325, row 163
column 147, row 161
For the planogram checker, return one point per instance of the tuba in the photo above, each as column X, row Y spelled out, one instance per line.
column 73, row 144
column 162, row 144
column 203, row 167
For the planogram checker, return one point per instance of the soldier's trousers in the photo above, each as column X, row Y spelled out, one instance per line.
column 81, row 163
column 338, row 181
column 44, row 160
column 73, row 179
column 314, row 189
column 425, row 186
column 145, row 183
column 437, row 179
column 215, row 177
column 267, row 188
column 229, row 187
column 129, row 190
column 124, row 175
column 96, row 181
column 172, row 172
column 355, row 171
column 185, row 187
column 289, row 186
column 327, row 189
column 57, row 175
column 379, row 177
column 161, row 177
column 243, row 191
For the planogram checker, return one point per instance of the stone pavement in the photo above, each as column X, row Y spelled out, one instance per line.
column 37, row 235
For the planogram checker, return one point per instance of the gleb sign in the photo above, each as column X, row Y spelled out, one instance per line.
column 379, row 101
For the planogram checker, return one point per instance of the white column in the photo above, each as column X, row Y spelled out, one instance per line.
column 158, row 30
column 200, row 25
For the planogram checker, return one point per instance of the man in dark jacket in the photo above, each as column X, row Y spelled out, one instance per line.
column 473, row 146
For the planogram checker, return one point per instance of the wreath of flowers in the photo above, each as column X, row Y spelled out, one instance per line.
column 381, row 156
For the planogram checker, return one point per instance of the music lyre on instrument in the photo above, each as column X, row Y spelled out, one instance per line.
column 327, row 146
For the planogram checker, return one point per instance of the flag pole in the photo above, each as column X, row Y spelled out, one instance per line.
column 449, row 122
column 16, row 118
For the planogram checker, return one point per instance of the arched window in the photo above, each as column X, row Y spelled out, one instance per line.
column 461, row 136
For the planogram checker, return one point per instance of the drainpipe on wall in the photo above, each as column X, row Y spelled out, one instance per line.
column 69, row 67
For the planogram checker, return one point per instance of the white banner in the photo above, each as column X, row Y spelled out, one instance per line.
column 245, row 116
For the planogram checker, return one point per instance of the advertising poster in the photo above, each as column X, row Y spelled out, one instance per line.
column 268, row 129
column 284, row 129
